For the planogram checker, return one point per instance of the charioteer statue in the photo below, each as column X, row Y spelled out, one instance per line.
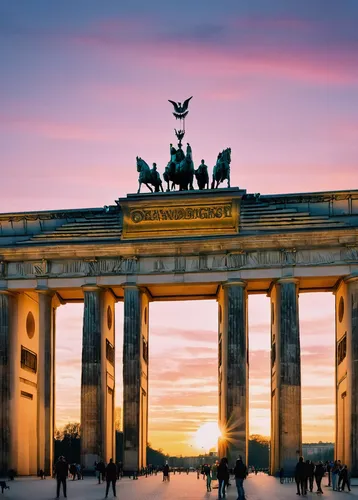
column 180, row 169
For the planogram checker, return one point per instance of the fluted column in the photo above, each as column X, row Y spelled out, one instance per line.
column 135, row 377
column 346, row 448
column 233, row 370
column 91, row 383
column 5, row 444
column 286, row 419
column 45, row 386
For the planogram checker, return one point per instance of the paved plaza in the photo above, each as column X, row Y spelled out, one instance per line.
column 260, row 487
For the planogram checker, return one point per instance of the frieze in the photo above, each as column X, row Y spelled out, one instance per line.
column 178, row 263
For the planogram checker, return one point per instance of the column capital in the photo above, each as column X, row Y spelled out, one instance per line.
column 130, row 284
column 352, row 278
column 45, row 291
column 5, row 291
column 234, row 282
column 91, row 288
column 288, row 279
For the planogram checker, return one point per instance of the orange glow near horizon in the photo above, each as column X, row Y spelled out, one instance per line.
column 183, row 370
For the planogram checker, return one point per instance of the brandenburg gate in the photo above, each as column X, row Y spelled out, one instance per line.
column 219, row 244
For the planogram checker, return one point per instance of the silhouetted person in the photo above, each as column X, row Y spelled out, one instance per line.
column 4, row 486
column 310, row 473
column 101, row 470
column 61, row 471
column 73, row 471
column 111, row 477
column 344, row 479
column 319, row 473
column 335, row 474
column 240, row 472
column 207, row 472
column 300, row 477
column 282, row 474
column 328, row 469
column 223, row 476
column 166, row 472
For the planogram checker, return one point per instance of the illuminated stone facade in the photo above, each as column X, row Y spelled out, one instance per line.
column 221, row 245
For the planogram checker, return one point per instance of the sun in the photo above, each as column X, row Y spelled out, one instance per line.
column 206, row 437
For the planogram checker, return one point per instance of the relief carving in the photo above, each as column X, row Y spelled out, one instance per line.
column 288, row 256
column 129, row 265
column 219, row 261
column 236, row 260
column 40, row 268
column 159, row 265
column 203, row 262
column 350, row 253
column 179, row 264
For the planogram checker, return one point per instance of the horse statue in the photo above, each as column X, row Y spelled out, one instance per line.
column 222, row 169
column 148, row 176
column 180, row 169
column 202, row 176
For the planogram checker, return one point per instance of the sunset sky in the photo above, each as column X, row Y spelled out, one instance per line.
column 83, row 90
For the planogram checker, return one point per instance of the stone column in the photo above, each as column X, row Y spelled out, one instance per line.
column 92, row 421
column 233, row 370
column 45, row 385
column 286, row 419
column 5, row 420
column 135, row 377
column 346, row 448
column 98, row 377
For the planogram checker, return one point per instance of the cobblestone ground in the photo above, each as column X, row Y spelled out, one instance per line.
column 260, row 487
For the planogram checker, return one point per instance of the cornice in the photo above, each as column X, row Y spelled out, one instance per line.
column 346, row 237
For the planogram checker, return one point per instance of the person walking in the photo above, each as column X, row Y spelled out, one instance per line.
column 61, row 472
column 310, row 470
column 240, row 472
column 223, row 477
column 166, row 472
column 343, row 479
column 300, row 477
column 328, row 469
column 282, row 475
column 335, row 474
column 207, row 472
column 319, row 473
column 111, row 477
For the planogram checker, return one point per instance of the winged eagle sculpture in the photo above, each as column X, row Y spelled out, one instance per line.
column 180, row 111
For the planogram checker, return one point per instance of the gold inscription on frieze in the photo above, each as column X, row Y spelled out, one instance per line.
column 185, row 217
column 181, row 213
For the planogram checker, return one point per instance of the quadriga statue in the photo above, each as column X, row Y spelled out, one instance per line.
column 148, row 176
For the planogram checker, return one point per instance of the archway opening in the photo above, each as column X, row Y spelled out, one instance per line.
column 317, row 332
column 183, row 381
